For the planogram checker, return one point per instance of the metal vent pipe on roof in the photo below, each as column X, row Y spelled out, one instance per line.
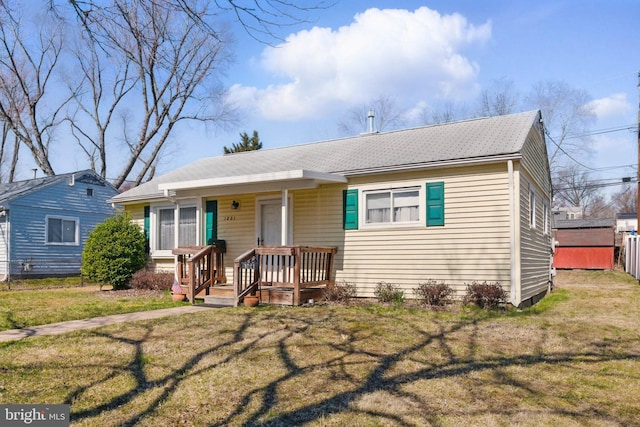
column 371, row 116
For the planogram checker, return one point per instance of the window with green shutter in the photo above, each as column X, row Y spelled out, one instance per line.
column 435, row 203
column 147, row 227
column 211, row 221
column 350, row 209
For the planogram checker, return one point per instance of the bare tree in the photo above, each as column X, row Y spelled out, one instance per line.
column 167, row 71
column 259, row 18
column 567, row 116
column 387, row 116
column 28, row 60
column 98, row 90
column 445, row 112
column 8, row 153
column 499, row 99
column 573, row 186
column 599, row 207
column 626, row 200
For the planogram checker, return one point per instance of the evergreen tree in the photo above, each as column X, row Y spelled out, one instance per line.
column 246, row 143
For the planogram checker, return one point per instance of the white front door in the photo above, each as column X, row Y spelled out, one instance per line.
column 270, row 222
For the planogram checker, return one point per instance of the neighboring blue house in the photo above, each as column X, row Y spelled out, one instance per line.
column 44, row 222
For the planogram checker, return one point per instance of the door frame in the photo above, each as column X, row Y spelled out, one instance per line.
column 274, row 200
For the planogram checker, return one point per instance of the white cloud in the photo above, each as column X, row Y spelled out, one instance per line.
column 612, row 106
column 411, row 55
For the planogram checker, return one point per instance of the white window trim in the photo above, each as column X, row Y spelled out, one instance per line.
column 153, row 225
column 408, row 185
column 64, row 218
column 532, row 207
column 545, row 217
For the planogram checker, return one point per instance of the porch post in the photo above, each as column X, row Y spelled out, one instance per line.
column 284, row 232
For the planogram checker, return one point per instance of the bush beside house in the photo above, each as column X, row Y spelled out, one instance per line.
column 114, row 251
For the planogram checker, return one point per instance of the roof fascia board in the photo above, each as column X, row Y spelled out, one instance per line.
column 440, row 164
column 138, row 199
column 291, row 175
column 230, row 190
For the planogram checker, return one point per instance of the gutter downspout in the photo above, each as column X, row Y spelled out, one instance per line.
column 513, row 294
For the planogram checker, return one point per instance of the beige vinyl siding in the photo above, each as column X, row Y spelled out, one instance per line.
column 473, row 245
column 534, row 161
column 535, row 245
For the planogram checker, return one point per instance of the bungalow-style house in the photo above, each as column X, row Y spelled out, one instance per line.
column 456, row 203
column 44, row 223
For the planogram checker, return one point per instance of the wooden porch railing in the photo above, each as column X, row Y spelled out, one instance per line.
column 284, row 267
column 198, row 268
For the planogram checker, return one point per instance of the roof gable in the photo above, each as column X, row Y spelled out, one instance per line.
column 14, row 190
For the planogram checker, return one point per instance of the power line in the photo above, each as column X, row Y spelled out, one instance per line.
column 631, row 128
column 546, row 132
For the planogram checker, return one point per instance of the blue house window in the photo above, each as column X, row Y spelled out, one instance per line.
column 62, row 230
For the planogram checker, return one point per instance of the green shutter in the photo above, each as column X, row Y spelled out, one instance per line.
column 211, row 221
column 147, row 209
column 435, row 203
column 350, row 209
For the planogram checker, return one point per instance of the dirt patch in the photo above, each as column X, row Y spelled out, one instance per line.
column 129, row 293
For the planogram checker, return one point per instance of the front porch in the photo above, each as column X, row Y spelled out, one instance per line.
column 285, row 275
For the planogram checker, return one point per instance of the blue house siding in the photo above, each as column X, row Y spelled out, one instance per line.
column 29, row 252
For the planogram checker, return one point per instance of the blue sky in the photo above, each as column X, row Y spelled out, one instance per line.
column 423, row 54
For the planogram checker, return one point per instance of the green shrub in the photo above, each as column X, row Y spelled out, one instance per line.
column 146, row 279
column 388, row 292
column 114, row 250
column 434, row 293
column 485, row 295
column 341, row 292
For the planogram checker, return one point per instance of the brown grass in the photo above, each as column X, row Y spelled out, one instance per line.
column 574, row 360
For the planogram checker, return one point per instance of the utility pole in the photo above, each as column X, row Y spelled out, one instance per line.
column 638, row 167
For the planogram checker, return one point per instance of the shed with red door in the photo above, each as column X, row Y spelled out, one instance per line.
column 584, row 243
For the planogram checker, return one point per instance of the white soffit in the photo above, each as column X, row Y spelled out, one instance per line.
column 291, row 175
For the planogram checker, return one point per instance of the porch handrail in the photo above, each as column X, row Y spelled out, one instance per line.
column 204, row 265
column 246, row 275
column 295, row 267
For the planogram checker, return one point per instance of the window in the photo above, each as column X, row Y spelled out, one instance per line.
column 62, row 230
column 532, row 208
column 166, row 229
column 187, row 227
column 392, row 206
column 173, row 227
column 545, row 217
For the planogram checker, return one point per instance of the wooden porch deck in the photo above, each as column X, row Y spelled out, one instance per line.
column 285, row 275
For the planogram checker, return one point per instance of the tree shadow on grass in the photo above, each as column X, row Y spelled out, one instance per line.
column 457, row 343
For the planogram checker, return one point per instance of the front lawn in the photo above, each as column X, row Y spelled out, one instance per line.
column 574, row 359
column 25, row 308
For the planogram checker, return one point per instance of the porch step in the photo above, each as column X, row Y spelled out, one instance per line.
column 220, row 295
column 218, row 300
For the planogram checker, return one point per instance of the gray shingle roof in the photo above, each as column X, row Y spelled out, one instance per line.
column 583, row 223
column 13, row 190
column 367, row 153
